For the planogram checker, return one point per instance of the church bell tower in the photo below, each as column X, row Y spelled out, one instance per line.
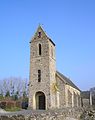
column 42, row 72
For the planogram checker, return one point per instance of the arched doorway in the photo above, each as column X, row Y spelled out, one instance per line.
column 40, row 101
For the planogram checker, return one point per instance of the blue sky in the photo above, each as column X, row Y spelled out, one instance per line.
column 69, row 23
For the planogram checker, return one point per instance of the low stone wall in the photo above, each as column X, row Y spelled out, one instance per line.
column 60, row 114
column 88, row 114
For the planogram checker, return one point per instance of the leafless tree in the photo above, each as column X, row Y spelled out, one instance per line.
column 14, row 87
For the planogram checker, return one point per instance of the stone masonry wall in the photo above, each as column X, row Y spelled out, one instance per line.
column 60, row 114
column 45, row 62
column 61, row 88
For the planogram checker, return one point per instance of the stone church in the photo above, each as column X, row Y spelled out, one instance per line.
column 48, row 88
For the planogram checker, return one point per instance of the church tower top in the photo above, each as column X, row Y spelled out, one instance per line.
column 41, row 34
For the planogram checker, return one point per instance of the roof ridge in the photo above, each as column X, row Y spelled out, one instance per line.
column 68, row 81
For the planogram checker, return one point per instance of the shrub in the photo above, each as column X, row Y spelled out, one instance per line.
column 3, row 105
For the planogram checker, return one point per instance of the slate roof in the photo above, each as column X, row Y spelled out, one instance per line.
column 67, row 80
column 51, row 41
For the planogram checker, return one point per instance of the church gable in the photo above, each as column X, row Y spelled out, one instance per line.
column 41, row 35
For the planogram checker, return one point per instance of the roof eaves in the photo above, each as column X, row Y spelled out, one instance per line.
column 68, row 81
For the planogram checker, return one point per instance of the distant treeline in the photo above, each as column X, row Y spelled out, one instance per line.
column 14, row 87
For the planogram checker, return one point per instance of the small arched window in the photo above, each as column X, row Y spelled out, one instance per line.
column 39, row 34
column 39, row 75
column 40, row 49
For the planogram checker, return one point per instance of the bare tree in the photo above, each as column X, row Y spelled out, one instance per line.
column 14, row 87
